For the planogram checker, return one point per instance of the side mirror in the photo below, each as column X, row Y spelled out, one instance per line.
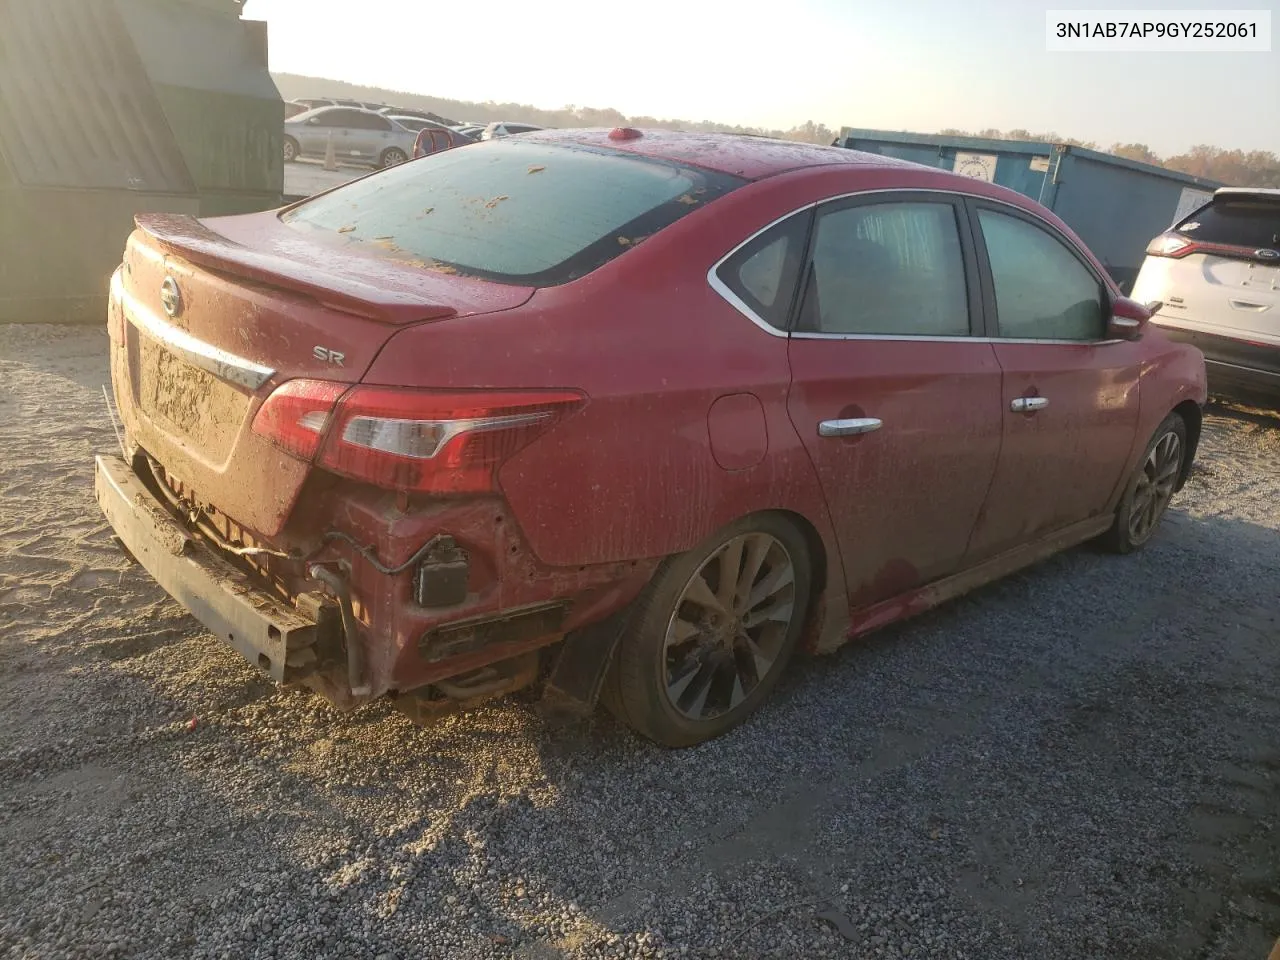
column 314, row 121
column 1128, row 318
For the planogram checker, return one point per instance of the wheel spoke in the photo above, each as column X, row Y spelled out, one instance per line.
column 774, row 580
column 699, row 592
column 757, row 550
column 691, row 688
column 1149, row 520
column 694, row 699
column 681, row 631
column 738, row 693
column 761, row 662
column 779, row 609
column 730, row 568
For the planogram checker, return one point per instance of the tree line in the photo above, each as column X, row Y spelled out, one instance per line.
column 1255, row 168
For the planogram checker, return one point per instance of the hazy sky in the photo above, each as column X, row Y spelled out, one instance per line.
column 915, row 65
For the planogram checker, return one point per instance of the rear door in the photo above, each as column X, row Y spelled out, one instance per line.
column 370, row 135
column 1069, row 399
column 895, row 398
column 314, row 133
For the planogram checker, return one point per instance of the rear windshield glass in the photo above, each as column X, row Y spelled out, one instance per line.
column 514, row 211
column 1240, row 221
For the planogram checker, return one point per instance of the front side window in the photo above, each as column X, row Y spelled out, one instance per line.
column 513, row 210
column 889, row 269
column 1043, row 291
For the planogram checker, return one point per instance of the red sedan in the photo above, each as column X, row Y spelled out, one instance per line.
column 625, row 415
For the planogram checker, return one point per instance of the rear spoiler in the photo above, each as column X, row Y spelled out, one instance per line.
column 191, row 240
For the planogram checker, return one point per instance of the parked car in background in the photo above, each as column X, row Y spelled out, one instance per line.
column 502, row 128
column 314, row 102
column 656, row 413
column 415, row 123
column 433, row 138
column 357, row 135
column 419, row 114
column 294, row 107
column 1216, row 276
column 472, row 130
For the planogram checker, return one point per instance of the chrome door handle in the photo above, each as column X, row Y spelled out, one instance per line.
column 1028, row 404
column 847, row 428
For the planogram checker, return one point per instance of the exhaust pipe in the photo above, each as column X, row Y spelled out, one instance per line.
column 350, row 629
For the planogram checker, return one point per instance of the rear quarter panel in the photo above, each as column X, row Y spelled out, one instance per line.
column 632, row 475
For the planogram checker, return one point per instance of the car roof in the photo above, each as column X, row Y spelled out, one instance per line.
column 743, row 155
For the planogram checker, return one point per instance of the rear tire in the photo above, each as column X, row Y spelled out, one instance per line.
column 391, row 157
column 1150, row 489
column 291, row 150
column 712, row 633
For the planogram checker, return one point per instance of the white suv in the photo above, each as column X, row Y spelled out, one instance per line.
column 1216, row 274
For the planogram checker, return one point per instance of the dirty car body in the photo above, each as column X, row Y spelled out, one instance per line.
column 438, row 433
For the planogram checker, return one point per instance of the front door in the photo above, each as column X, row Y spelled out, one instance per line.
column 896, row 401
column 1069, row 396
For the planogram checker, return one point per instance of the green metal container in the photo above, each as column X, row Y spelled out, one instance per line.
column 1115, row 205
column 115, row 107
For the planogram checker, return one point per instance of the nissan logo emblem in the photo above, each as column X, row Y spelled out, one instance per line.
column 170, row 298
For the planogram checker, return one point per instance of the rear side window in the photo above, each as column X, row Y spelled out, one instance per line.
column 338, row 117
column 514, row 211
column 888, row 269
column 763, row 274
column 369, row 121
column 1239, row 221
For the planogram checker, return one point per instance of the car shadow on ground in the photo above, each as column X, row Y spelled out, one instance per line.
column 1058, row 761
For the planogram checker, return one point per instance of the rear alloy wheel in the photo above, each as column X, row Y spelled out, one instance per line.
column 713, row 633
column 1151, row 488
column 290, row 149
column 391, row 157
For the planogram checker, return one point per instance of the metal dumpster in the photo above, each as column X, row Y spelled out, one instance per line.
column 1115, row 205
column 116, row 107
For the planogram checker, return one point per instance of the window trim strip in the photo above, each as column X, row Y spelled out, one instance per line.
column 718, row 285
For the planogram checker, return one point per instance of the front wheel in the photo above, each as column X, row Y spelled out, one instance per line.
column 1147, row 495
column 392, row 156
column 713, row 633
column 290, row 149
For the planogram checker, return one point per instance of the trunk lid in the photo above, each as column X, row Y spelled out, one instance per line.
column 217, row 314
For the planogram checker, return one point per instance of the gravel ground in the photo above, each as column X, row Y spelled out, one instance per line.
column 1080, row 761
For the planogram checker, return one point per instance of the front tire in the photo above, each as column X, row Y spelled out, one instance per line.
column 1147, row 495
column 391, row 157
column 291, row 150
column 713, row 633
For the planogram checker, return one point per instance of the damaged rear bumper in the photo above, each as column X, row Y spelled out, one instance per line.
column 261, row 628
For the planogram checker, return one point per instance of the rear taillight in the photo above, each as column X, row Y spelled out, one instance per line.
column 436, row 442
column 296, row 414
column 424, row 441
column 1170, row 245
column 1177, row 246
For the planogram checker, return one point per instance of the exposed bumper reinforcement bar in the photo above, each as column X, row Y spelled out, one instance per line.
column 261, row 628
